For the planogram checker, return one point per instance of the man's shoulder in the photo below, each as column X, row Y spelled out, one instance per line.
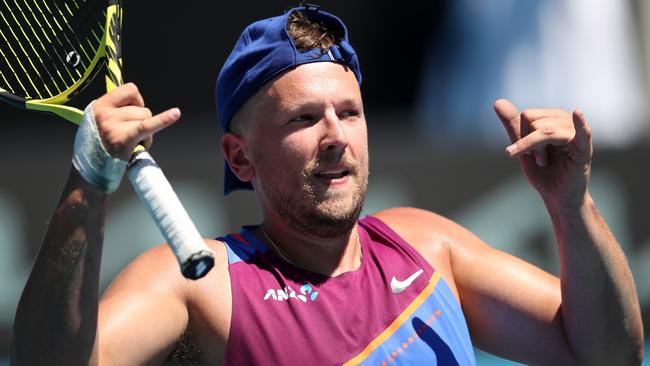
column 424, row 229
column 154, row 292
column 159, row 265
column 431, row 234
column 428, row 231
column 407, row 219
column 162, row 255
column 203, row 295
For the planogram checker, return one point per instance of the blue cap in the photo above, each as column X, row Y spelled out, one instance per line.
column 264, row 50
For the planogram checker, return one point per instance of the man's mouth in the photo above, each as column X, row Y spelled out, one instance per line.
column 333, row 174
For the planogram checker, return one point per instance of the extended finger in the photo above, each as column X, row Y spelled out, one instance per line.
column 539, row 139
column 127, row 94
column 156, row 123
column 534, row 118
column 131, row 113
column 509, row 116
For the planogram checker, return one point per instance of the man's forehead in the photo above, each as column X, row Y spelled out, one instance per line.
column 305, row 87
column 309, row 81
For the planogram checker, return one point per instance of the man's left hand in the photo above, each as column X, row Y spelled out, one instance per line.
column 554, row 149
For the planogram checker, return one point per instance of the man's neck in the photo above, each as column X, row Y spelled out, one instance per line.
column 326, row 256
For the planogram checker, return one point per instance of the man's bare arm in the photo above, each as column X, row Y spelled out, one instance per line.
column 600, row 306
column 591, row 316
column 57, row 315
column 56, row 319
column 511, row 306
column 600, row 309
column 514, row 309
column 59, row 321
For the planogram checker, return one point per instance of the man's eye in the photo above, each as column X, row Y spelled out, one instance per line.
column 302, row 118
column 348, row 114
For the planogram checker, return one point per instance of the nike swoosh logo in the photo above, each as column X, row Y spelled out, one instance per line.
column 399, row 286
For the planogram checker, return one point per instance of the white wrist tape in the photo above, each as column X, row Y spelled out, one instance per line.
column 91, row 159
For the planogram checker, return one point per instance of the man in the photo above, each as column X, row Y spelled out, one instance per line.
column 314, row 284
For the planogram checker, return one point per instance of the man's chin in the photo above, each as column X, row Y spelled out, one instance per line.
column 334, row 220
column 335, row 209
column 330, row 227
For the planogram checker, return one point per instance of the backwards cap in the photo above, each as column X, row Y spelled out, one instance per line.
column 264, row 50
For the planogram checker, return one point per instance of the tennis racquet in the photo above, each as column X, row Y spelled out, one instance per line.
column 50, row 50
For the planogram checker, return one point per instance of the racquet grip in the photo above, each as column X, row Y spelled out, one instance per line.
column 148, row 180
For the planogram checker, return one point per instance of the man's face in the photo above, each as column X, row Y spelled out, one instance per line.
column 309, row 148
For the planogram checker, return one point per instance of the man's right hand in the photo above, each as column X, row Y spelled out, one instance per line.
column 123, row 121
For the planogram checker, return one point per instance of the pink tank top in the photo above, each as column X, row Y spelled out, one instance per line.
column 395, row 309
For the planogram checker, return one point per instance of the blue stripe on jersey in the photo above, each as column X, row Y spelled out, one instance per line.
column 238, row 251
column 429, row 336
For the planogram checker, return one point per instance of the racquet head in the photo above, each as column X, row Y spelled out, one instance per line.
column 51, row 49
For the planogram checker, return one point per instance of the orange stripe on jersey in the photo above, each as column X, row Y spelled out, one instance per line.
column 381, row 338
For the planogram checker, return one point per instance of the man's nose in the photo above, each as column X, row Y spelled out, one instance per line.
column 335, row 137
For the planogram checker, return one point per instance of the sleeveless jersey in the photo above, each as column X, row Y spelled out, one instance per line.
column 395, row 309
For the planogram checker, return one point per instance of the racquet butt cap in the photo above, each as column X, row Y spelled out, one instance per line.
column 197, row 265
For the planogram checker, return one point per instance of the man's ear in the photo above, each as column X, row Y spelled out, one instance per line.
column 234, row 150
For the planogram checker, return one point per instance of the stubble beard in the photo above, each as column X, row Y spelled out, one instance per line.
column 325, row 214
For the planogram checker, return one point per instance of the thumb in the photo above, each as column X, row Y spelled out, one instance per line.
column 510, row 117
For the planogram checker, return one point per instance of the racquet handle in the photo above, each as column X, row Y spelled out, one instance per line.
column 148, row 180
